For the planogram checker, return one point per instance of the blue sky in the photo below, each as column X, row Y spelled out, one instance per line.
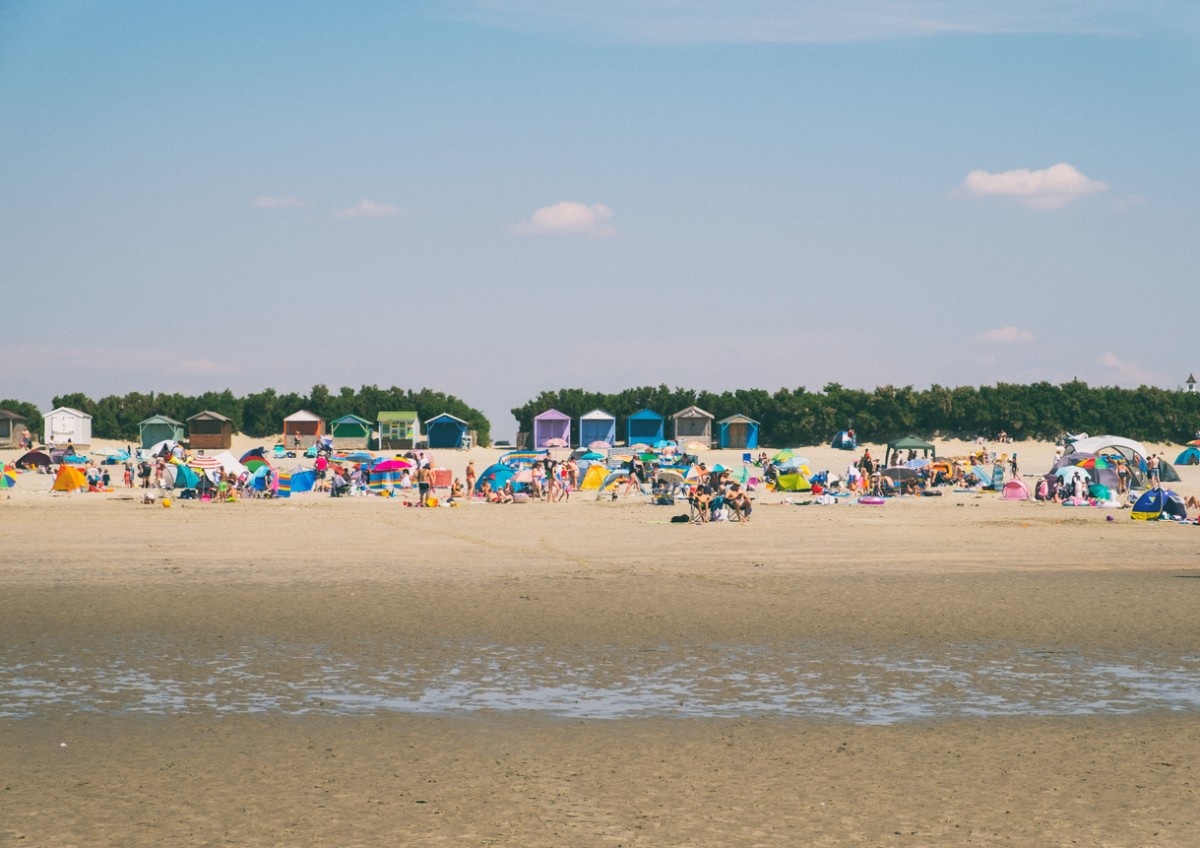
column 494, row 197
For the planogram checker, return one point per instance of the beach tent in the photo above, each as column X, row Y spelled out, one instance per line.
column 33, row 459
column 398, row 430
column 308, row 426
column 693, row 425
column 737, row 432
column 593, row 477
column 795, row 482
column 69, row 479
column 644, row 426
column 1191, row 456
column 1134, row 453
column 182, row 477
column 300, row 480
column 908, row 443
column 159, row 428
column 447, row 431
column 844, row 441
column 1159, row 503
column 66, row 424
column 597, row 426
column 210, row 430
column 230, row 464
column 11, row 425
column 1015, row 490
column 496, row 476
column 350, row 432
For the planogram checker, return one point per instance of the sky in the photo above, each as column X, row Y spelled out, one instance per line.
column 491, row 198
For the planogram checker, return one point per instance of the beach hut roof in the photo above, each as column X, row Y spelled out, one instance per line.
column 397, row 416
column 646, row 414
column 552, row 415
column 347, row 419
column 733, row 419
column 70, row 410
column 302, row 415
column 446, row 416
column 11, row 416
column 597, row 415
column 161, row 419
column 692, row 412
column 207, row 415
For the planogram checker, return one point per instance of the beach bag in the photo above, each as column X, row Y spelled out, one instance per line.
column 680, row 519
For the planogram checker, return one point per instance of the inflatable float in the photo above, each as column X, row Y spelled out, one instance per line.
column 871, row 500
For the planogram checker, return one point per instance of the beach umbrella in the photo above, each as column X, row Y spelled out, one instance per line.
column 599, row 445
column 918, row 463
column 1068, row 472
column 391, row 465
column 260, row 453
column 789, row 455
column 34, row 459
column 359, row 456
column 1093, row 462
column 205, row 463
column 662, row 444
column 671, row 477
column 640, row 447
column 525, row 476
column 8, row 478
column 899, row 472
column 255, row 464
column 693, row 447
column 648, row 457
column 592, row 456
column 556, row 443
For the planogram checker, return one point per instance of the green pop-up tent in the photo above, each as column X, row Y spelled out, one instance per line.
column 908, row 443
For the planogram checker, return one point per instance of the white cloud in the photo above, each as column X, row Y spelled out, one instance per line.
column 1049, row 188
column 1005, row 335
column 1127, row 371
column 568, row 218
column 368, row 209
column 279, row 202
column 810, row 21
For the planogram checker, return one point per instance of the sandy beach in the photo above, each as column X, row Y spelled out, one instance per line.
column 936, row 671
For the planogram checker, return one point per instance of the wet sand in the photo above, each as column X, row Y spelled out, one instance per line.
column 377, row 591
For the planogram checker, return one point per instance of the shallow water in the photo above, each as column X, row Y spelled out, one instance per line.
column 812, row 681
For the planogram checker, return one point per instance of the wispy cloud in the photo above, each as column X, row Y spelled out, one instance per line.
column 288, row 202
column 1048, row 188
column 568, row 218
column 1127, row 371
column 795, row 21
column 1005, row 335
column 368, row 209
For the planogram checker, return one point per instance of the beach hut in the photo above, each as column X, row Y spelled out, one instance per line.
column 11, row 426
column 210, row 430
column 159, row 428
column 737, row 432
column 644, row 427
column 447, row 431
column 302, row 429
column 551, row 429
column 693, row 425
column 66, row 424
column 398, row 430
column 597, row 426
column 350, row 432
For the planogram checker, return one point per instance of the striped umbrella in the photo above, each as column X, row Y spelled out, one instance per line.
column 205, row 463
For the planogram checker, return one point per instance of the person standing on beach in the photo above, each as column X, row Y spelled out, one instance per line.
column 471, row 475
column 1152, row 468
column 422, row 484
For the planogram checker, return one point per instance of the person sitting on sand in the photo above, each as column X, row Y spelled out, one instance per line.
column 505, row 495
column 1192, row 502
column 456, row 490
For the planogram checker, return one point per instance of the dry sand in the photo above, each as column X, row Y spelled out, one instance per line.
column 280, row 630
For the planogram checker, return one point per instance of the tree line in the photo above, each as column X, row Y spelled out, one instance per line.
column 259, row 414
column 1043, row 411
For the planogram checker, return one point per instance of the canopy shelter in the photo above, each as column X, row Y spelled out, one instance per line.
column 597, row 426
column 11, row 427
column 693, row 425
column 447, row 431
column 65, row 424
column 896, row 448
column 1133, row 452
column 210, row 430
column 551, row 429
column 302, row 429
column 737, row 432
column 644, row 427
column 160, row 428
column 350, row 432
column 398, row 430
